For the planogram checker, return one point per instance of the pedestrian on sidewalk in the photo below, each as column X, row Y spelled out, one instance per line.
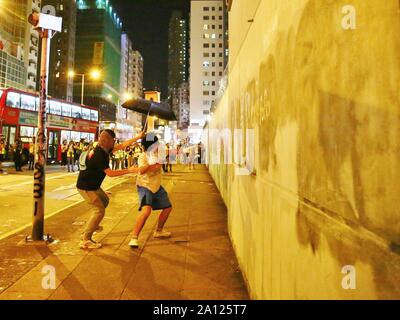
column 200, row 148
column 90, row 180
column 31, row 159
column 167, row 164
column 64, row 151
column 18, row 155
column 77, row 153
column 71, row 156
column 2, row 154
column 152, row 196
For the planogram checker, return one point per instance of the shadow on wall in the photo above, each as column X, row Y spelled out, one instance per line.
column 348, row 150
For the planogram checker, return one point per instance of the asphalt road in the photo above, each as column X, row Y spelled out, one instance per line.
column 16, row 196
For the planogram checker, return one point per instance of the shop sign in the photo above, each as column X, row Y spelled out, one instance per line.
column 59, row 122
column 28, row 118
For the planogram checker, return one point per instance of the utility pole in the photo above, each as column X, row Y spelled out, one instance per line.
column 47, row 25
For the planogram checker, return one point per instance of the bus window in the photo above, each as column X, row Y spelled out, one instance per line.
column 55, row 107
column 85, row 136
column 1, row 93
column 26, row 131
column 27, row 102
column 65, row 136
column 66, row 110
column 76, row 112
column 75, row 136
column 38, row 104
column 91, row 137
column 13, row 100
column 94, row 115
column 85, row 114
column 37, row 100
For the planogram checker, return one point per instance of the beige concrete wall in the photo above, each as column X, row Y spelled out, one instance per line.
column 324, row 105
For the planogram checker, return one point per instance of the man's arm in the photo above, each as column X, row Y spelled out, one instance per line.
column 145, row 169
column 129, row 142
column 116, row 173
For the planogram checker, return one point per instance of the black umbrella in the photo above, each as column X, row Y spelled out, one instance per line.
column 150, row 108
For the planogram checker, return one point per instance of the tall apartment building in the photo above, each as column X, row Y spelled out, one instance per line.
column 207, row 57
column 137, row 74
column 98, row 45
column 183, row 114
column 62, row 50
column 131, row 87
column 177, row 59
column 19, row 44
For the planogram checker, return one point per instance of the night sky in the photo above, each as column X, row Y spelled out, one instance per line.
column 146, row 22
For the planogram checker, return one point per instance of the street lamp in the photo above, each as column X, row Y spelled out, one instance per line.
column 127, row 96
column 95, row 74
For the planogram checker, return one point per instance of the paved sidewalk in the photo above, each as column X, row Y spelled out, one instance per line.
column 198, row 262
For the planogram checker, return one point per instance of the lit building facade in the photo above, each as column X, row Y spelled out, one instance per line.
column 177, row 60
column 128, row 122
column 62, row 53
column 207, row 57
column 98, row 45
column 137, row 74
column 19, row 44
column 183, row 114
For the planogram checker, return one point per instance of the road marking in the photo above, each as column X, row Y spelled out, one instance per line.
column 10, row 233
column 71, row 186
column 47, row 179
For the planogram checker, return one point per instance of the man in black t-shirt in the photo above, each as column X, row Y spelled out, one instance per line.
column 90, row 180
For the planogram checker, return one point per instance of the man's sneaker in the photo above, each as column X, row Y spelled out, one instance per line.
column 89, row 244
column 134, row 243
column 162, row 234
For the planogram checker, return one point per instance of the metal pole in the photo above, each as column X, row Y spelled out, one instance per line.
column 41, row 143
column 83, row 88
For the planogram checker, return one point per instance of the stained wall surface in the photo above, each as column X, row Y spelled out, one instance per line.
column 312, row 114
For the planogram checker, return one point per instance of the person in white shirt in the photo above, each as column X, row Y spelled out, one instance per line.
column 152, row 196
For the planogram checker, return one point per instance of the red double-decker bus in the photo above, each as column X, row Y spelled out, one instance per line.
column 65, row 120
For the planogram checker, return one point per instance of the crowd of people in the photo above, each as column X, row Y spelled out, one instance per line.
column 180, row 153
column 71, row 152
column 20, row 153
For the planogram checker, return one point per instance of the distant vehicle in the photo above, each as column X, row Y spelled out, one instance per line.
column 65, row 120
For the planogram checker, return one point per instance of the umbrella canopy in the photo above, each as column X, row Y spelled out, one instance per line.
column 160, row 110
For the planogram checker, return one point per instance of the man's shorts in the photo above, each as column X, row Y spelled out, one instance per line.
column 157, row 201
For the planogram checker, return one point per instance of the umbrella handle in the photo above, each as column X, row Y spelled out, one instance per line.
column 147, row 119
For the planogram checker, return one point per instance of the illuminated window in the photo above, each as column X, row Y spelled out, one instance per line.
column 13, row 100
column 66, row 110
column 85, row 114
column 27, row 102
column 55, row 107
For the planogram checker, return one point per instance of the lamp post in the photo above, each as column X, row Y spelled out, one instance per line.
column 126, row 96
column 47, row 25
column 94, row 74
